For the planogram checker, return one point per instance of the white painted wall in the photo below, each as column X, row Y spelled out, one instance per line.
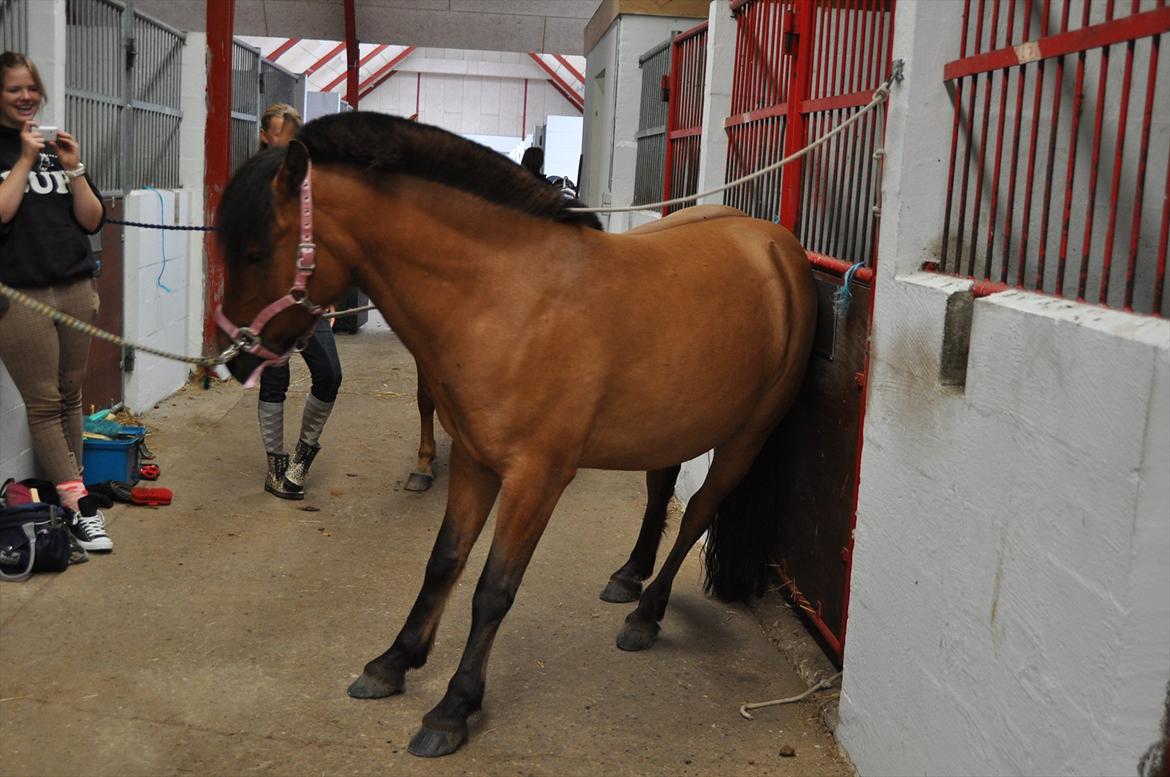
column 470, row 92
column 192, row 162
column 562, row 146
column 156, row 274
column 1009, row 610
column 613, row 92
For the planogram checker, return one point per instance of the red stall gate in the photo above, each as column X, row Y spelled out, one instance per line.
column 801, row 68
column 1054, row 179
column 684, row 129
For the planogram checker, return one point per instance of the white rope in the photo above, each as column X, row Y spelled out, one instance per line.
column 823, row 684
column 879, row 96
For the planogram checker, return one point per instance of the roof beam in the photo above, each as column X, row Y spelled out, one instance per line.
column 333, row 52
column 384, row 72
column 280, row 50
column 559, row 83
column 569, row 66
column 375, row 52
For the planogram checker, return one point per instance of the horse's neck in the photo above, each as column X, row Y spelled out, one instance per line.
column 433, row 258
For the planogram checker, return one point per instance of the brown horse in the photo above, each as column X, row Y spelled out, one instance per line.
column 548, row 346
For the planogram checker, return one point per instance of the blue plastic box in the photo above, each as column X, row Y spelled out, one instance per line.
column 112, row 459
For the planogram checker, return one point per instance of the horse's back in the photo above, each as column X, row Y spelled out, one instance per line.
column 687, row 216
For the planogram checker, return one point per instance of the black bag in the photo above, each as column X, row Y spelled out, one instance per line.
column 33, row 538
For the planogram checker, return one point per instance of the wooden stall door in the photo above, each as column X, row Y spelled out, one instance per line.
column 103, row 375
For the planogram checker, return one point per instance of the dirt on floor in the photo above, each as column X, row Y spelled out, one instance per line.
column 220, row 635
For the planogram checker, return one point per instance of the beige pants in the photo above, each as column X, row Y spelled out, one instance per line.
column 47, row 363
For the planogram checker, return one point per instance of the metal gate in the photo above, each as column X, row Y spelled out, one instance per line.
column 1054, row 179
column 256, row 84
column 803, row 67
column 684, row 129
column 652, row 117
column 13, row 25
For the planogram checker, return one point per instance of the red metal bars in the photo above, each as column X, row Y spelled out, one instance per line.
column 802, row 67
column 1079, row 148
column 217, row 148
column 351, row 56
column 684, row 123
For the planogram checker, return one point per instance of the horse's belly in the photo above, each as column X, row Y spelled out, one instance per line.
column 636, row 434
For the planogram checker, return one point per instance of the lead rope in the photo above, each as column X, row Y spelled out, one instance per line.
column 205, row 362
column 880, row 95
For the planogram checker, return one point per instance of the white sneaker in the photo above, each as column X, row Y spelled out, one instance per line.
column 90, row 531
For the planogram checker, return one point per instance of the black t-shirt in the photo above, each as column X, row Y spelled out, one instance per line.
column 43, row 244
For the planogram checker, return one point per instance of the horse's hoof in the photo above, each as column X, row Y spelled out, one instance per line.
column 636, row 636
column 432, row 743
column 419, row 481
column 621, row 590
column 370, row 686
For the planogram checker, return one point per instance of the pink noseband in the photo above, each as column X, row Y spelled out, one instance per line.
column 247, row 339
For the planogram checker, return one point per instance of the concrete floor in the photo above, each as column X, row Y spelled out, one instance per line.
column 221, row 634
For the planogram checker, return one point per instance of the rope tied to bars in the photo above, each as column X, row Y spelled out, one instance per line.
column 843, row 297
column 880, row 95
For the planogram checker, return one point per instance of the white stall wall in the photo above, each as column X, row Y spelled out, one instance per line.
column 155, row 310
column 613, row 93
column 470, row 92
column 1009, row 610
column 562, row 146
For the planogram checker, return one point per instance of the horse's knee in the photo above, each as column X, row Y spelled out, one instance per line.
column 442, row 566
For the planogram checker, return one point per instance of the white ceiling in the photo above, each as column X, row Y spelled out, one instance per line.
column 553, row 26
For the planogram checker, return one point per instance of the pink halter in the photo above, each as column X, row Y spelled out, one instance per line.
column 247, row 339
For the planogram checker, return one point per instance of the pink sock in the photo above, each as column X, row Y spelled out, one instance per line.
column 70, row 492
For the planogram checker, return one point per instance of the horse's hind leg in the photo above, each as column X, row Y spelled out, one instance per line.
column 625, row 585
column 422, row 477
column 470, row 496
column 526, row 502
column 728, row 467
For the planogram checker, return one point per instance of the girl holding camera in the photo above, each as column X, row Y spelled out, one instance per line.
column 48, row 208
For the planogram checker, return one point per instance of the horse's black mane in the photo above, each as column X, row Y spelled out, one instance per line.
column 379, row 144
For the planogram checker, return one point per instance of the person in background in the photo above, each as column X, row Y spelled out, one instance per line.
column 48, row 209
column 533, row 161
column 286, row 475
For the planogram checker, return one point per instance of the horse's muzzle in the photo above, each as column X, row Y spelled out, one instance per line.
column 244, row 367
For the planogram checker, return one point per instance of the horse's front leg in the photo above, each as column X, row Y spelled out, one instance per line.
column 423, row 476
column 470, row 496
column 526, row 502
column 625, row 585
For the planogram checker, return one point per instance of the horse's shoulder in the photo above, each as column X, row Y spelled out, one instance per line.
column 687, row 216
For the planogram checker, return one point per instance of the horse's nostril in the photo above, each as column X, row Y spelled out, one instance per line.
column 242, row 366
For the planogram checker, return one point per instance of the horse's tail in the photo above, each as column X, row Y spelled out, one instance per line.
column 745, row 531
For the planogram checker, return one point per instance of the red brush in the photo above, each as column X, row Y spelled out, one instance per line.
column 151, row 497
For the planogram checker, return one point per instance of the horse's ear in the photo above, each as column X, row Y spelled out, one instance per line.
column 292, row 170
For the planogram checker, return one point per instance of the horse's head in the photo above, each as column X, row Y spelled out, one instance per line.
column 277, row 284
